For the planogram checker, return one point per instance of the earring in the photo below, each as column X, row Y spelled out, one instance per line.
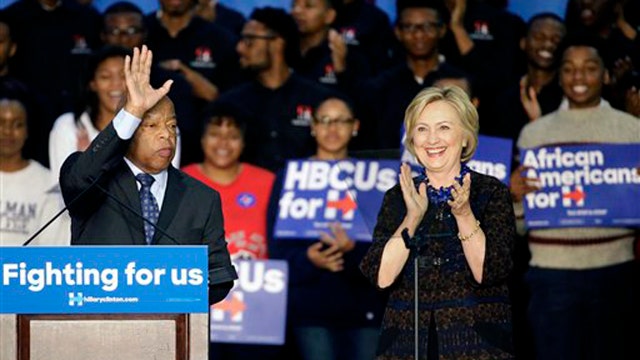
column 354, row 133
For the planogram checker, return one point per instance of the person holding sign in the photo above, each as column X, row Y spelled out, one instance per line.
column 581, row 278
column 333, row 313
column 123, row 190
column 443, row 243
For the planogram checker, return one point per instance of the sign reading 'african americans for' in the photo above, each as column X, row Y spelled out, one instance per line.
column 583, row 185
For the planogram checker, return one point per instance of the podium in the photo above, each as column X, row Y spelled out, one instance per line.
column 104, row 302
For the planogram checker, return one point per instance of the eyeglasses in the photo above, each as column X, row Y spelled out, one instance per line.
column 429, row 27
column 249, row 39
column 130, row 31
column 326, row 121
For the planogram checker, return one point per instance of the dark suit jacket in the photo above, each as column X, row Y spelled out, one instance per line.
column 191, row 213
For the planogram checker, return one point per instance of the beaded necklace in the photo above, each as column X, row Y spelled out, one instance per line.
column 439, row 197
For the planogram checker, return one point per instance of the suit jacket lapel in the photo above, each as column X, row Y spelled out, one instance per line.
column 173, row 195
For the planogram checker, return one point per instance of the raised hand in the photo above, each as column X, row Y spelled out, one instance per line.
column 460, row 205
column 458, row 9
column 141, row 96
column 326, row 254
column 632, row 101
column 338, row 48
column 339, row 236
column 520, row 184
column 529, row 99
column 416, row 200
column 82, row 138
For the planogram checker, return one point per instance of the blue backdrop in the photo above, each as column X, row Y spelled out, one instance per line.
column 524, row 8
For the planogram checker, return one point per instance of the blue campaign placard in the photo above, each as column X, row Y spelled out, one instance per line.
column 103, row 279
column 493, row 157
column 583, row 185
column 316, row 194
column 254, row 311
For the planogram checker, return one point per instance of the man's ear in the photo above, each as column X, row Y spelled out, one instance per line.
column 442, row 31
column 330, row 17
column 279, row 43
column 397, row 32
column 606, row 78
column 12, row 49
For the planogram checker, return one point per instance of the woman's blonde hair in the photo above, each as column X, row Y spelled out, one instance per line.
column 459, row 100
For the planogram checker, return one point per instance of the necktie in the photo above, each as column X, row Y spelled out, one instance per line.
column 150, row 209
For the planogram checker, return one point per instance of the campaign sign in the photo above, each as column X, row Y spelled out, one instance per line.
column 316, row 194
column 492, row 157
column 254, row 311
column 583, row 185
column 103, row 279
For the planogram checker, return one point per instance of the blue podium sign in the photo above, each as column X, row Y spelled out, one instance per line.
column 103, row 279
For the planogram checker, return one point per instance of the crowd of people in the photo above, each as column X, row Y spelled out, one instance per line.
column 329, row 80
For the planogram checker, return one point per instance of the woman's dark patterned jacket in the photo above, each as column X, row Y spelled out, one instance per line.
column 472, row 320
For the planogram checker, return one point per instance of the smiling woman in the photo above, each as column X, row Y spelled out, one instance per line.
column 104, row 89
column 244, row 188
column 443, row 242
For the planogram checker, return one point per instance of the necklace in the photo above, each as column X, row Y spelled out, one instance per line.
column 443, row 194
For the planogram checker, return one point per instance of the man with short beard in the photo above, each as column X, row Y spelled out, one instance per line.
column 199, row 51
column 280, row 101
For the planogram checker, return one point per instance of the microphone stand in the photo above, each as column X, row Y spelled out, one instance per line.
column 416, row 319
column 42, row 228
column 414, row 248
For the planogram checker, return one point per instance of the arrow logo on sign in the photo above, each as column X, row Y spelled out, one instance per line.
column 345, row 204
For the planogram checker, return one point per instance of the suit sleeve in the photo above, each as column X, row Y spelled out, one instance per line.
column 81, row 170
column 221, row 270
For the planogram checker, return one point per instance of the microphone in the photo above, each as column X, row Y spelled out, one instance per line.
column 65, row 208
column 136, row 213
column 105, row 168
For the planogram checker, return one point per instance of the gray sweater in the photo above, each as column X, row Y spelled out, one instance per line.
column 580, row 248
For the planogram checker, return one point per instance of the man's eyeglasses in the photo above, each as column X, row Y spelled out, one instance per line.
column 130, row 31
column 249, row 39
column 428, row 27
column 327, row 121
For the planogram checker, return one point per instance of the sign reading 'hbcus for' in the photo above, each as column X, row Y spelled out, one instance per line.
column 583, row 185
column 255, row 310
column 317, row 193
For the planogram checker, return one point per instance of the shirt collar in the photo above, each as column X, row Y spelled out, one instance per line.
column 564, row 105
column 160, row 178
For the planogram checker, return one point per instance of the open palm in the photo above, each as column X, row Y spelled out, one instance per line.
column 141, row 96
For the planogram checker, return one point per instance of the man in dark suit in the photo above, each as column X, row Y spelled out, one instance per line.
column 102, row 185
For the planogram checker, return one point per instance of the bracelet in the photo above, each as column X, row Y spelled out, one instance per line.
column 472, row 234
